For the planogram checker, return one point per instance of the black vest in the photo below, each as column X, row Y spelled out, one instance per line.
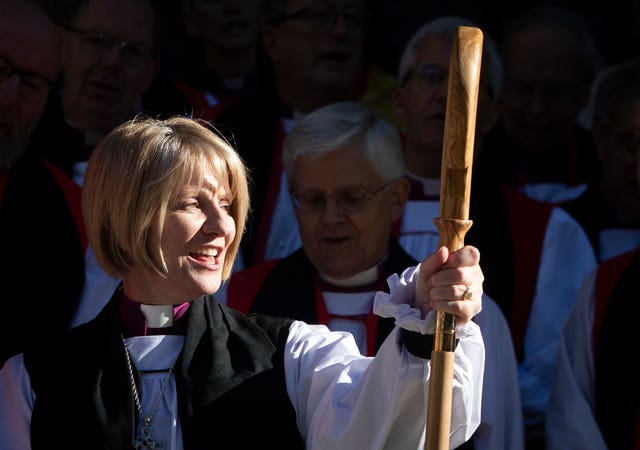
column 229, row 376
column 289, row 290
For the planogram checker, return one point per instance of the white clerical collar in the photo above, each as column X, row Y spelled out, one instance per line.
column 158, row 316
column 430, row 186
column 359, row 279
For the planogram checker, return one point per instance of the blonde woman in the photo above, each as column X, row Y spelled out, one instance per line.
column 165, row 365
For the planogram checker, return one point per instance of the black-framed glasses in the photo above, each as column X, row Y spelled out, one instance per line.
column 322, row 18
column 98, row 43
column 32, row 85
column 428, row 75
column 349, row 199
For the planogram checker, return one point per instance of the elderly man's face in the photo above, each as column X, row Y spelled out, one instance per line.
column 545, row 89
column 109, row 61
column 338, row 241
column 619, row 152
column 29, row 59
column 421, row 101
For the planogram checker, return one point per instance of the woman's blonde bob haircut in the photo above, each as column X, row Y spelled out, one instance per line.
column 137, row 171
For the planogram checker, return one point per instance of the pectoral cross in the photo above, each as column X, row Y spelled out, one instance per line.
column 146, row 442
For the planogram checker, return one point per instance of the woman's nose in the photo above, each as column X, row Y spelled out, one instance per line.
column 219, row 222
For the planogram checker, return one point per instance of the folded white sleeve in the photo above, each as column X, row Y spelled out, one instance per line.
column 345, row 400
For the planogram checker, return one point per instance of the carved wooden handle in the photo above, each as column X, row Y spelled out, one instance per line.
column 453, row 223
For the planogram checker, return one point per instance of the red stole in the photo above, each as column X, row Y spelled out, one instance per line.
column 608, row 275
column 275, row 179
column 72, row 192
column 529, row 220
column 371, row 320
column 201, row 107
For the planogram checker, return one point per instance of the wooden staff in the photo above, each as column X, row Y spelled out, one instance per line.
column 453, row 223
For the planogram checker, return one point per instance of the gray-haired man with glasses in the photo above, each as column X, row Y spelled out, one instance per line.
column 346, row 180
column 316, row 50
column 41, row 230
column 348, row 199
column 29, row 63
column 522, row 252
column 346, row 171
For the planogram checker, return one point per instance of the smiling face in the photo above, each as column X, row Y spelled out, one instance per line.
column 338, row 243
column 197, row 232
column 101, row 81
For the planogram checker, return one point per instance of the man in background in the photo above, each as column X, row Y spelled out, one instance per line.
column 42, row 238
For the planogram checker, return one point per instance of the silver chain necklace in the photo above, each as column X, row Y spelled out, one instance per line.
column 146, row 441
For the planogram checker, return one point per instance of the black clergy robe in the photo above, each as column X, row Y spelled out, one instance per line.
column 229, row 377
column 42, row 245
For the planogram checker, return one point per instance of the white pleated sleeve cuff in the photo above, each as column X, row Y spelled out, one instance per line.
column 398, row 304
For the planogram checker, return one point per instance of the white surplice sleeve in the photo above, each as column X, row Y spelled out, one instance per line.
column 571, row 421
column 502, row 425
column 567, row 257
column 346, row 401
column 16, row 404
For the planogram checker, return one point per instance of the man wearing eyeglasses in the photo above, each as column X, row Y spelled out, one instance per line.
column 41, row 230
column 316, row 51
column 349, row 190
column 347, row 185
column 110, row 58
column 26, row 75
column 525, row 243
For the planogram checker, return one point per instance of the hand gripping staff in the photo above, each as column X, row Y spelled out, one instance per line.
column 453, row 223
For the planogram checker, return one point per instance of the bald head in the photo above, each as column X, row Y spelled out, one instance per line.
column 30, row 47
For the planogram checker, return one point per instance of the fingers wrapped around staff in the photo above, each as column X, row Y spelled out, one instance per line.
column 452, row 283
